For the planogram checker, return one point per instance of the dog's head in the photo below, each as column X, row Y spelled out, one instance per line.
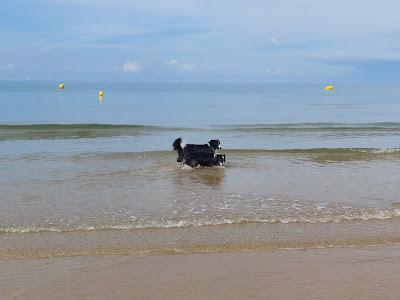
column 215, row 144
column 220, row 159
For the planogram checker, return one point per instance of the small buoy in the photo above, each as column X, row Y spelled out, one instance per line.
column 100, row 95
column 329, row 87
column 61, row 86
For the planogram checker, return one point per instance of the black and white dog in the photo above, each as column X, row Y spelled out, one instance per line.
column 199, row 155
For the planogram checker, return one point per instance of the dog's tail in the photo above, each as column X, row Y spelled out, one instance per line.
column 177, row 145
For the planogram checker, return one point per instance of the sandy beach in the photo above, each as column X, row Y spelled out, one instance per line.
column 339, row 273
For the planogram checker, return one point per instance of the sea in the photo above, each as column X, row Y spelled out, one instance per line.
column 305, row 168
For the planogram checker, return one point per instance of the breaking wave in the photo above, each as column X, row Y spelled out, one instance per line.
column 347, row 214
column 73, row 131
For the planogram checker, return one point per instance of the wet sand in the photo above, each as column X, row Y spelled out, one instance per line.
column 340, row 273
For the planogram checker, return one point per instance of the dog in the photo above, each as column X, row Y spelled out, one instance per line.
column 199, row 155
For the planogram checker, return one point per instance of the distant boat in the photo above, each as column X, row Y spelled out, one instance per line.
column 29, row 78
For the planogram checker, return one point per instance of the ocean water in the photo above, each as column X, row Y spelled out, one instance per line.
column 304, row 168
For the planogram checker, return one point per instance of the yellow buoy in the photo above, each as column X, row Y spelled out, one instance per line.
column 329, row 87
column 61, row 86
column 100, row 95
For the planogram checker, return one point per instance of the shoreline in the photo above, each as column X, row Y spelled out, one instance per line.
column 206, row 239
column 334, row 273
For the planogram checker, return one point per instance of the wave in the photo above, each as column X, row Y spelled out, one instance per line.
column 376, row 126
column 318, row 151
column 164, row 157
column 241, row 152
column 74, row 131
column 73, row 126
column 71, row 131
column 349, row 216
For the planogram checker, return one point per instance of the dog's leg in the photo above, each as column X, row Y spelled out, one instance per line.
column 181, row 154
column 192, row 162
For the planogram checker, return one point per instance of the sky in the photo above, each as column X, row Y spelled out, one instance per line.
column 201, row 41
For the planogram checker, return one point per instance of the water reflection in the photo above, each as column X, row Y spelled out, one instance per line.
column 209, row 176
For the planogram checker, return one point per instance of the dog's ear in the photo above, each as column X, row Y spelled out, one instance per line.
column 215, row 144
column 212, row 144
column 219, row 144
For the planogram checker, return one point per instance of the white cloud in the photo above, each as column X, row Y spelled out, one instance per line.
column 273, row 71
column 172, row 62
column 133, row 66
column 180, row 65
column 188, row 67
column 8, row 67
column 274, row 40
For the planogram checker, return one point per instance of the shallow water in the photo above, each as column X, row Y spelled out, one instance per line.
column 300, row 163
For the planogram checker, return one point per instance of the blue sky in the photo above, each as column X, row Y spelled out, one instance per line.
column 212, row 41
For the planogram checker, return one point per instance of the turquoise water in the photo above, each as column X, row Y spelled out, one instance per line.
column 295, row 155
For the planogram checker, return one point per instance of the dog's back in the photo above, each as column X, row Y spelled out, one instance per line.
column 193, row 148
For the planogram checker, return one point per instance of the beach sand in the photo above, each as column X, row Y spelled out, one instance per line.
column 337, row 273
